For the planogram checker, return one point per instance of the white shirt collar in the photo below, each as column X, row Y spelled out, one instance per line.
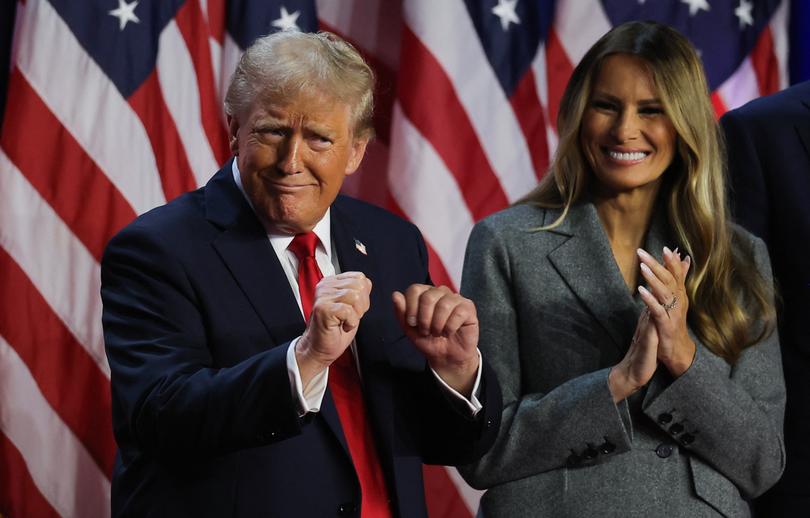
column 280, row 242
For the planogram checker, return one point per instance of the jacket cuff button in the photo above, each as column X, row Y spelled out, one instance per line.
column 664, row 418
column 607, row 447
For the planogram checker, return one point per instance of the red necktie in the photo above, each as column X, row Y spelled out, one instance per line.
column 344, row 383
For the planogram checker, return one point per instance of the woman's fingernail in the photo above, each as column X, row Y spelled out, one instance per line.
column 667, row 252
column 412, row 321
column 643, row 290
column 646, row 269
column 643, row 254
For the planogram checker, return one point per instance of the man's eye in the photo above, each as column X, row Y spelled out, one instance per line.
column 321, row 140
column 270, row 131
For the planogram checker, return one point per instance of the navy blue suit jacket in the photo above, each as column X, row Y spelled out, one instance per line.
column 198, row 316
column 769, row 164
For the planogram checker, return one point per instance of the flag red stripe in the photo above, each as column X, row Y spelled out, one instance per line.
column 216, row 19
column 191, row 22
column 65, row 176
column 64, row 371
column 529, row 112
column 175, row 172
column 441, row 494
column 765, row 63
column 429, row 101
column 719, row 106
column 559, row 70
column 19, row 495
column 384, row 91
column 438, row 273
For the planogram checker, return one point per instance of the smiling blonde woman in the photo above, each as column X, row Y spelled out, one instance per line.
column 630, row 323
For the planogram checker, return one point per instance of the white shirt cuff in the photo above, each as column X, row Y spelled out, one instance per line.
column 309, row 398
column 473, row 404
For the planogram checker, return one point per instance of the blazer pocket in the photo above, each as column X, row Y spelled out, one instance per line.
column 715, row 489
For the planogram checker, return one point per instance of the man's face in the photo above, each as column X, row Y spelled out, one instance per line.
column 293, row 157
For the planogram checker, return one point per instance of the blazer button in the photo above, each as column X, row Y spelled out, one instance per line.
column 676, row 429
column 664, row 418
column 663, row 450
column 687, row 439
column 590, row 453
column 347, row 509
column 607, row 447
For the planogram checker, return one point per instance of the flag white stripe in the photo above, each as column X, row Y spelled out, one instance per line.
column 740, row 87
column 231, row 53
column 579, row 24
column 216, row 63
column 779, row 31
column 60, row 466
column 540, row 71
column 428, row 193
column 450, row 35
column 470, row 496
column 178, row 84
column 76, row 91
column 70, row 284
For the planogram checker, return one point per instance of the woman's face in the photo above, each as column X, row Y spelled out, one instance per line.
column 627, row 138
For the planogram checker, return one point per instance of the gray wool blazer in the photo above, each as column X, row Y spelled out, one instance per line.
column 555, row 315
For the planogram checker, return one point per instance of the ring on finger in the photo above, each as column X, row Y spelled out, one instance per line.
column 672, row 304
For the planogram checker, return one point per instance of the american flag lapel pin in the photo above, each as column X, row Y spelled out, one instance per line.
column 360, row 246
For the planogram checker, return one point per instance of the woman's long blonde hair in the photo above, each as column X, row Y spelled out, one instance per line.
column 730, row 301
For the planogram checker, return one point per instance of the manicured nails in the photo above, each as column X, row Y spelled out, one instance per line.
column 646, row 269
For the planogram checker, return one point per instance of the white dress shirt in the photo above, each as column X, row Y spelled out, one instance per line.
column 310, row 397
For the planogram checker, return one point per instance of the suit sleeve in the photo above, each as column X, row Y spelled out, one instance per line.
column 447, row 432
column 566, row 424
column 748, row 190
column 730, row 416
column 169, row 395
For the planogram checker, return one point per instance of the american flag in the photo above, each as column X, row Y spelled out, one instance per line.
column 114, row 107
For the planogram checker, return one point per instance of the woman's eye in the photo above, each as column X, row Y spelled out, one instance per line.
column 651, row 110
column 603, row 105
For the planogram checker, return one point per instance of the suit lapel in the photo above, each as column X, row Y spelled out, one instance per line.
column 356, row 251
column 587, row 266
column 803, row 128
column 248, row 255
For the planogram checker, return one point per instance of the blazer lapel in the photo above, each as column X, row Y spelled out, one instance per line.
column 357, row 252
column 586, row 264
column 803, row 129
column 248, row 255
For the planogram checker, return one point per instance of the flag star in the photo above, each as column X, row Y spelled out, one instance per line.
column 125, row 13
column 743, row 12
column 696, row 5
column 287, row 21
column 505, row 10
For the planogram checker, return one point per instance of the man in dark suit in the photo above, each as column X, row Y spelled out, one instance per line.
column 255, row 370
column 768, row 143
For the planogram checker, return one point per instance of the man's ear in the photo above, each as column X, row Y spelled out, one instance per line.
column 233, row 130
column 358, row 151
